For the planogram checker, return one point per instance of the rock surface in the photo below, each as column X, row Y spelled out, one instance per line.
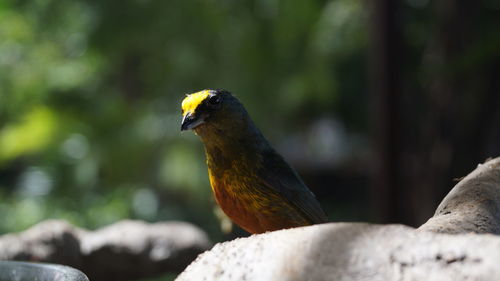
column 131, row 250
column 456, row 244
column 51, row 241
column 355, row 251
column 126, row 250
column 473, row 205
column 350, row 251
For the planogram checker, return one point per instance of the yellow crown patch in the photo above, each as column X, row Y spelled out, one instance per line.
column 192, row 101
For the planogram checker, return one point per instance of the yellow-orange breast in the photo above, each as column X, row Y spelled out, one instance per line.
column 253, row 209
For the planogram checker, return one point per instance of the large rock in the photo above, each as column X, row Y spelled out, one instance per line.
column 127, row 250
column 347, row 251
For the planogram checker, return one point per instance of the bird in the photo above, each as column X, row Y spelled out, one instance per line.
column 251, row 182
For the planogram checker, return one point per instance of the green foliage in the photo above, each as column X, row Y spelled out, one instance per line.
column 90, row 94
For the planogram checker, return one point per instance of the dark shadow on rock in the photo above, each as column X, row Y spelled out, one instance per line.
column 337, row 252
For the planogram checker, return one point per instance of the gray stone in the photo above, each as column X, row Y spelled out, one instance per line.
column 51, row 241
column 473, row 205
column 126, row 250
column 350, row 251
column 131, row 250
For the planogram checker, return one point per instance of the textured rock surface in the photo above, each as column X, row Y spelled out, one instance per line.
column 127, row 250
column 473, row 205
column 344, row 251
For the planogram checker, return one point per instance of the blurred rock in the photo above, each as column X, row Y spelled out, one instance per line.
column 473, row 205
column 130, row 250
column 350, row 251
column 126, row 250
column 49, row 241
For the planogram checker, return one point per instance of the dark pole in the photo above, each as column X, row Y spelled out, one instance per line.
column 384, row 79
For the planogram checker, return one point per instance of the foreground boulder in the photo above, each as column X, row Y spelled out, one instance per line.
column 126, row 250
column 355, row 251
column 350, row 251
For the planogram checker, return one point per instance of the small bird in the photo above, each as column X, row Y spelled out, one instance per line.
column 251, row 182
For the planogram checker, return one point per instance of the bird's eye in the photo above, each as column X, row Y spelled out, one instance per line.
column 214, row 100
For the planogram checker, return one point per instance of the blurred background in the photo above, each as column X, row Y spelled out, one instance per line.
column 379, row 105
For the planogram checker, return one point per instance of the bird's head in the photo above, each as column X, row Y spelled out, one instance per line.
column 213, row 111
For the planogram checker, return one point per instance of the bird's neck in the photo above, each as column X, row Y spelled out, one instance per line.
column 225, row 149
column 239, row 135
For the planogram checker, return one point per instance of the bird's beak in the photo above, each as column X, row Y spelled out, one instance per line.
column 191, row 121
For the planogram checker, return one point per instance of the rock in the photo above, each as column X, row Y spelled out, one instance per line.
column 50, row 241
column 126, row 250
column 132, row 249
column 473, row 205
column 350, row 251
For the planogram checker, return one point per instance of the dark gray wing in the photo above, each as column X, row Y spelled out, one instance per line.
column 282, row 178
